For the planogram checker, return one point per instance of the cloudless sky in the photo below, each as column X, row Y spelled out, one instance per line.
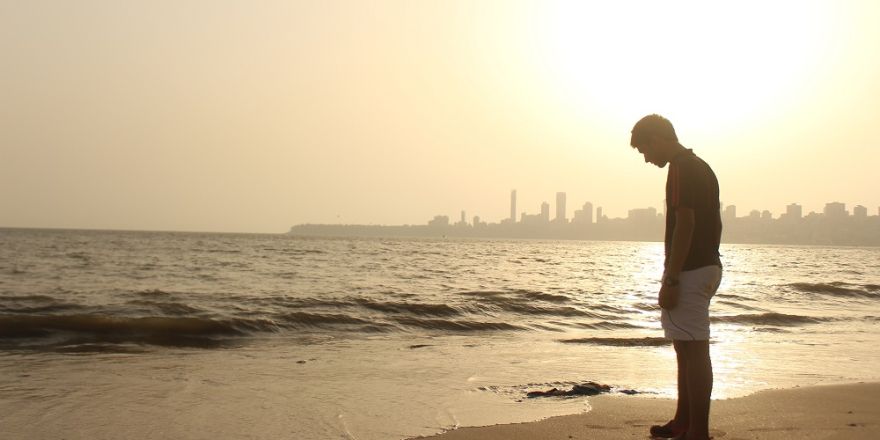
column 255, row 116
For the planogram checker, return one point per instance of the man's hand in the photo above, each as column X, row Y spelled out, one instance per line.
column 668, row 297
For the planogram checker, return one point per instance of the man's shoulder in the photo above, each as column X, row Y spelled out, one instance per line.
column 689, row 162
column 691, row 170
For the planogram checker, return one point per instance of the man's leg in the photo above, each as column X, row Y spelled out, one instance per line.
column 699, row 386
column 682, row 407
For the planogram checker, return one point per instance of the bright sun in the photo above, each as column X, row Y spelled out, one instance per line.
column 700, row 61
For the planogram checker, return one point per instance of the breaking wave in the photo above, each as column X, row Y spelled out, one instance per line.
column 621, row 342
column 839, row 289
column 82, row 329
column 769, row 318
column 456, row 326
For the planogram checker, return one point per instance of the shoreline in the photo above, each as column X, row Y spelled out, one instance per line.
column 849, row 411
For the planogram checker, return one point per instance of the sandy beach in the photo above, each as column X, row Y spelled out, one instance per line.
column 820, row 412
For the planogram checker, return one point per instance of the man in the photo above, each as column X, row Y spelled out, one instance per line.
column 692, row 270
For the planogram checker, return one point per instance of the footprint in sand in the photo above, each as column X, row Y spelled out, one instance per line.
column 716, row 433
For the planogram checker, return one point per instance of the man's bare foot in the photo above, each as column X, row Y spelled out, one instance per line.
column 669, row 430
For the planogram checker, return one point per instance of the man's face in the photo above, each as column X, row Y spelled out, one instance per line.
column 652, row 153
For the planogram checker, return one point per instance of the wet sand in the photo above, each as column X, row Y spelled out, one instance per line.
column 819, row 412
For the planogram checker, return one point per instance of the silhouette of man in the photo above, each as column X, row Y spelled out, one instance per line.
column 692, row 270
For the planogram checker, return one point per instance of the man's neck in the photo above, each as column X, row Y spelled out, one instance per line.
column 676, row 150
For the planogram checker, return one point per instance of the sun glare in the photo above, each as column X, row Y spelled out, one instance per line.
column 691, row 61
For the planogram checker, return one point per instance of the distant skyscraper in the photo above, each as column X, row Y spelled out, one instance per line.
column 560, row 207
column 835, row 210
column 794, row 211
column 598, row 214
column 545, row 211
column 463, row 219
column 860, row 211
column 584, row 215
column 513, row 205
column 439, row 220
column 730, row 212
column 642, row 215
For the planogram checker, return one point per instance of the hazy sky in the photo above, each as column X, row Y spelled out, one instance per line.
column 254, row 116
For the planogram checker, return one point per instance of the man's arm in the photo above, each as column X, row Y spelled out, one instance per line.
column 681, row 246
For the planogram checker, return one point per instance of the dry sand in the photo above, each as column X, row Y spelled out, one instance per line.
column 819, row 412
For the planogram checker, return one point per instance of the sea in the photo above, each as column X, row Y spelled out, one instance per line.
column 156, row 335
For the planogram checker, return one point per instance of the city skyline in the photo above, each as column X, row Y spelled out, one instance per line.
column 586, row 213
column 835, row 225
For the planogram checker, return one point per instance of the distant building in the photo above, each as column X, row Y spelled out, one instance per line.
column 560, row 207
column 766, row 215
column 755, row 214
column 542, row 218
column 642, row 215
column 463, row 220
column 513, row 205
column 835, row 210
column 584, row 215
column 794, row 211
column 860, row 211
column 599, row 214
column 439, row 220
column 729, row 213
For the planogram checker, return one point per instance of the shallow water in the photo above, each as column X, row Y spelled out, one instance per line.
column 154, row 335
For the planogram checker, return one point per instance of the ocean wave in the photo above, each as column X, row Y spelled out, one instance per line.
column 298, row 319
column 526, row 307
column 620, row 342
column 69, row 330
column 409, row 307
column 606, row 325
column 34, row 298
column 458, row 326
column 35, row 304
column 732, row 296
column 483, row 293
column 527, row 302
column 839, row 289
column 303, row 252
column 297, row 303
column 740, row 305
column 168, row 308
column 531, row 309
column 769, row 318
column 152, row 292
column 547, row 328
column 55, row 307
column 548, row 297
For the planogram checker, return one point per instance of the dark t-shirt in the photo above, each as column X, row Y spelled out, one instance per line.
column 692, row 184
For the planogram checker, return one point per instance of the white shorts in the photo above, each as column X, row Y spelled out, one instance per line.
column 689, row 320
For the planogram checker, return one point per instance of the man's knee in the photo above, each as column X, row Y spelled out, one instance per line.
column 691, row 349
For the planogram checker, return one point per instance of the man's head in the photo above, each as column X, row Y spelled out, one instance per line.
column 655, row 139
